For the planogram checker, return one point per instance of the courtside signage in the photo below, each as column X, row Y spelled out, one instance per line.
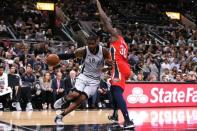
column 156, row 95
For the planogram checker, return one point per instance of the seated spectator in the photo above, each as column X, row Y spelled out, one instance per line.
column 28, row 79
column 14, row 81
column 47, row 91
column 58, row 86
column 51, row 71
column 192, row 76
column 195, row 57
column 3, row 27
column 4, row 90
column 70, row 81
column 181, row 41
column 164, row 78
column 184, row 76
column 165, row 65
column 178, row 78
column 168, row 74
column 140, row 77
column 104, row 98
column 153, row 77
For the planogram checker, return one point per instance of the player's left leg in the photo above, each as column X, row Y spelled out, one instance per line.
column 72, row 95
column 118, row 95
column 114, row 116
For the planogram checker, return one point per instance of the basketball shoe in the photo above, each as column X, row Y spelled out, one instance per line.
column 58, row 120
column 58, row 104
column 129, row 124
column 113, row 118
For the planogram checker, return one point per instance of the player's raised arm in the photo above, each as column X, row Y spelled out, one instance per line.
column 106, row 20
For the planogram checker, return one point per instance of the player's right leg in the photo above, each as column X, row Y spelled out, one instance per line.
column 73, row 94
column 75, row 104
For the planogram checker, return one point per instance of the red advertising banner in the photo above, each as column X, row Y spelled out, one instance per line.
column 160, row 95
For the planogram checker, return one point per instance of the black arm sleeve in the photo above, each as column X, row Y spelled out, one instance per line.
column 66, row 56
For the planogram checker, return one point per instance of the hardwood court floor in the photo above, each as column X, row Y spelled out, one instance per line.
column 145, row 119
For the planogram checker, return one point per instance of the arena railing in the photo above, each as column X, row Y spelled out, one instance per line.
column 34, row 41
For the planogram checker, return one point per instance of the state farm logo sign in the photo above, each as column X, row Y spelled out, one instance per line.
column 162, row 95
column 174, row 96
column 137, row 96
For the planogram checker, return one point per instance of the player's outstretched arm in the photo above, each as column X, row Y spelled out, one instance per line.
column 106, row 20
column 79, row 53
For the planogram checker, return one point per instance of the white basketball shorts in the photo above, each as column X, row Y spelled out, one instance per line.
column 86, row 85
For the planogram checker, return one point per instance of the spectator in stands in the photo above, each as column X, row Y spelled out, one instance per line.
column 58, row 86
column 65, row 71
column 104, row 98
column 192, row 76
column 3, row 27
column 153, row 77
column 140, row 76
column 52, row 72
column 178, row 78
column 194, row 59
column 185, row 78
column 46, row 49
column 175, row 64
column 4, row 90
column 168, row 74
column 165, row 65
column 181, row 41
column 40, row 35
column 164, row 78
column 49, row 34
column 47, row 91
column 14, row 81
column 70, row 81
column 28, row 80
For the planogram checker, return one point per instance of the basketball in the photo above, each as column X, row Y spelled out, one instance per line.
column 52, row 60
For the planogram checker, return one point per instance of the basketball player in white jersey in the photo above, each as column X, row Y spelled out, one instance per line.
column 88, row 80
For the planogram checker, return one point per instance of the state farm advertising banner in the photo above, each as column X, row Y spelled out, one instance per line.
column 160, row 95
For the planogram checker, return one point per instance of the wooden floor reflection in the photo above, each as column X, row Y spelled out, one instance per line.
column 149, row 119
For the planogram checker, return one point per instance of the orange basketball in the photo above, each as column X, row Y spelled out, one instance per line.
column 52, row 60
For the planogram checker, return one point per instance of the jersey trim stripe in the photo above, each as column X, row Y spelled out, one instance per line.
column 113, row 50
column 116, row 68
column 116, row 71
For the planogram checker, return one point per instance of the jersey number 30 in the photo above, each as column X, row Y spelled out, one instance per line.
column 123, row 51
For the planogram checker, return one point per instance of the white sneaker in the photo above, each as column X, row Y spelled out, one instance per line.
column 18, row 106
column 58, row 104
column 99, row 105
column 58, row 120
column 87, row 105
column 44, row 106
column 29, row 107
column 1, row 106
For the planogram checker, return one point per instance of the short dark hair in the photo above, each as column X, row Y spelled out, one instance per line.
column 1, row 67
column 28, row 65
column 92, row 37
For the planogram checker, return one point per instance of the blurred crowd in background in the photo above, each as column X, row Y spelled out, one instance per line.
column 170, row 58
